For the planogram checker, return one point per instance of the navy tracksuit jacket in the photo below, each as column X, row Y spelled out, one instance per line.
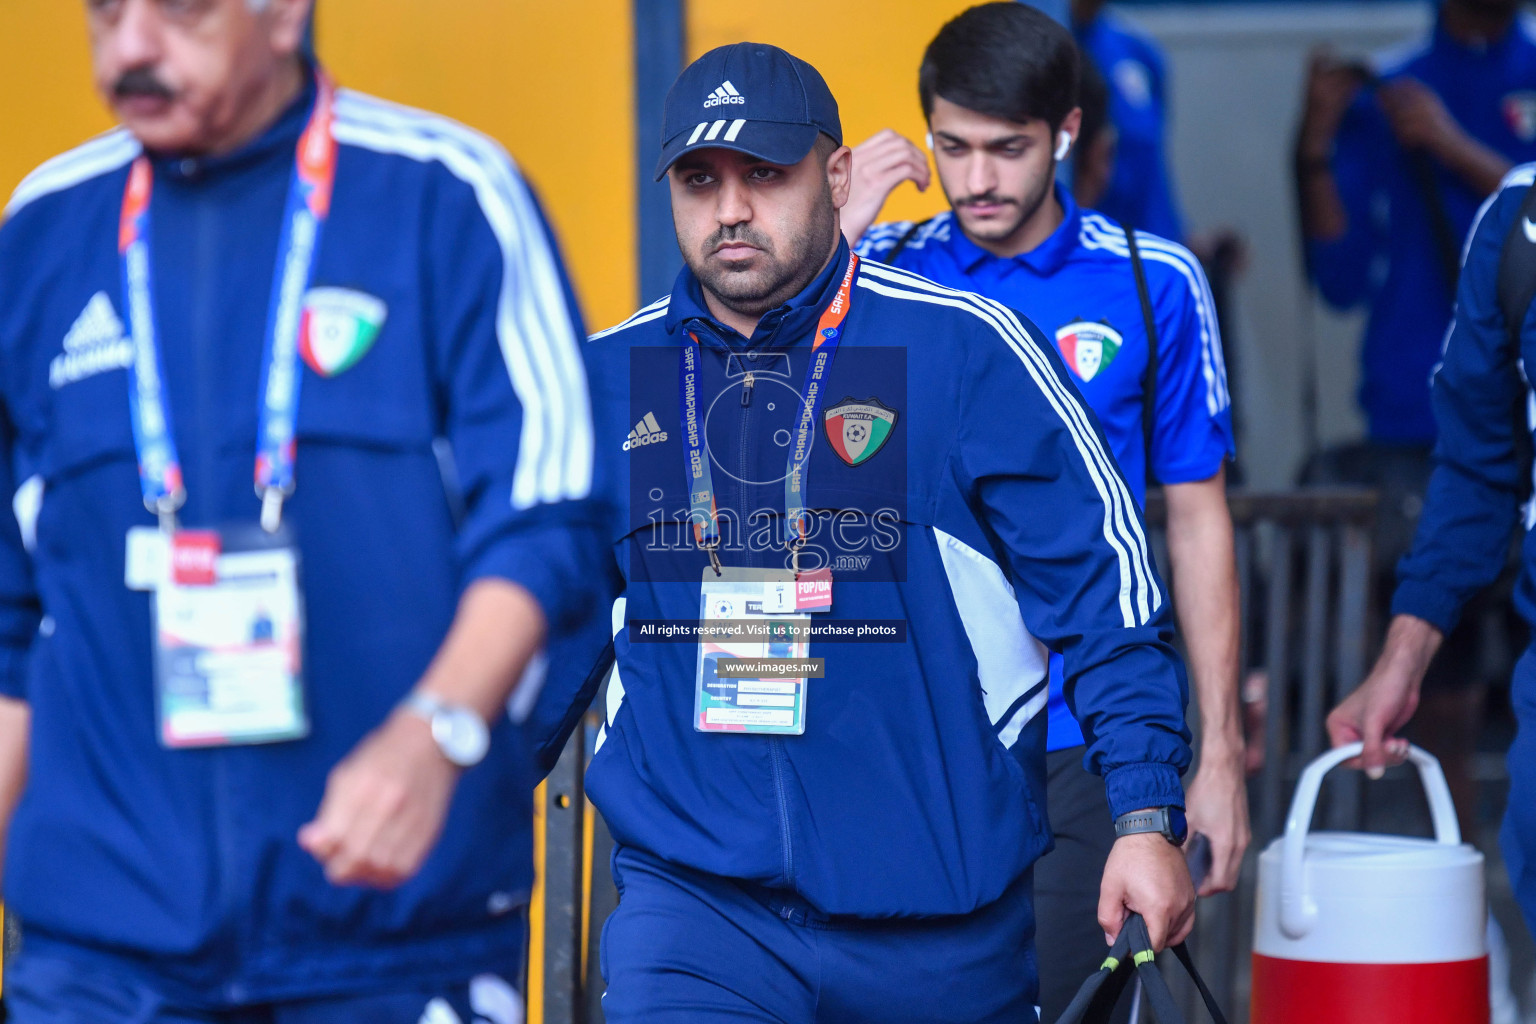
column 992, row 522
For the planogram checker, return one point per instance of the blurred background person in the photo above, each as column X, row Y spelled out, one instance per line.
column 1098, row 139
column 1393, row 157
column 1139, row 192
column 358, row 298
column 999, row 90
column 1120, row 164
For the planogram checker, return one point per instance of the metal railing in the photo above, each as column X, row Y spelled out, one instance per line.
column 1304, row 561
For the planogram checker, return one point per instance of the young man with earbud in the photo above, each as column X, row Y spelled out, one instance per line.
column 999, row 89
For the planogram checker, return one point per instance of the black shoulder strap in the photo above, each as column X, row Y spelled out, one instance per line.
column 1516, row 288
column 1148, row 378
column 889, row 259
column 1517, row 269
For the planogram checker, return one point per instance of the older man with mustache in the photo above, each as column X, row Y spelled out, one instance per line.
column 272, row 775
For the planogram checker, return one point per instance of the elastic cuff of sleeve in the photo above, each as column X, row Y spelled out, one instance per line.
column 532, row 570
column 1435, row 605
column 13, row 673
column 1134, row 787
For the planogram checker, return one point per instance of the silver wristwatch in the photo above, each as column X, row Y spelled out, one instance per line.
column 461, row 734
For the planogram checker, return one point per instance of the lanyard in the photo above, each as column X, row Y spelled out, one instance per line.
column 701, row 488
column 304, row 216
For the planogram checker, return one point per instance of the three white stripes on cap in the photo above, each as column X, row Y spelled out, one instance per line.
column 714, row 130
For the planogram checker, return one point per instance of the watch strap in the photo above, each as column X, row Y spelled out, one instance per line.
column 1158, row 819
column 424, row 705
column 1136, row 822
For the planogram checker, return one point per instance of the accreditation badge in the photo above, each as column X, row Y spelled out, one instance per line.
column 752, row 676
column 228, row 643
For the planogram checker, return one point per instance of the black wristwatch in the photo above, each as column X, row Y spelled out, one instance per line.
column 1167, row 820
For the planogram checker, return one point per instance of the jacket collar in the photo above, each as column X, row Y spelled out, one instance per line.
column 279, row 140
column 781, row 327
column 1044, row 259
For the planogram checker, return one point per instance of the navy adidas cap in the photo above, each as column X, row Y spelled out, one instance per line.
column 750, row 97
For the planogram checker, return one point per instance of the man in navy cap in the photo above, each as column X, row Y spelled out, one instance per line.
column 855, row 509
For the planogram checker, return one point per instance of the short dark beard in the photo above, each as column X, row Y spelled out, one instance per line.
column 1028, row 207
column 805, row 256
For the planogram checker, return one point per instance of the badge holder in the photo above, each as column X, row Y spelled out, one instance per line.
column 228, row 619
column 770, row 704
column 767, row 612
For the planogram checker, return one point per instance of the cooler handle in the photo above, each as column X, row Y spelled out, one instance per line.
column 1298, row 911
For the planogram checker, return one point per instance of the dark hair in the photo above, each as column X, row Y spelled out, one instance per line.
column 1093, row 97
column 1005, row 60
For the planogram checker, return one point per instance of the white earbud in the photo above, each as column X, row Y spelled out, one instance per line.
column 1063, row 145
column 928, row 139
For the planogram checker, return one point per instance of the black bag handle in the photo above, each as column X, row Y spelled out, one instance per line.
column 1095, row 1001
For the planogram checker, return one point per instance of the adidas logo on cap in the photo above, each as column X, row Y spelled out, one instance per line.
column 724, row 93
column 647, row 431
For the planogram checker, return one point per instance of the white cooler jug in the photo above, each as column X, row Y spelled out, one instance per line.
column 1355, row 928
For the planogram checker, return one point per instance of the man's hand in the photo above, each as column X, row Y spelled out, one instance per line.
column 1387, row 699
column 1331, row 87
column 1216, row 806
column 880, row 163
column 1147, row 874
column 384, row 806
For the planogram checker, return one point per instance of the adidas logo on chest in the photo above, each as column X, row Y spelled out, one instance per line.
column 95, row 343
column 647, row 431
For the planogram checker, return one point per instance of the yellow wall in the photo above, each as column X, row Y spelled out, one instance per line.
column 868, row 53
column 551, row 81
column 46, row 101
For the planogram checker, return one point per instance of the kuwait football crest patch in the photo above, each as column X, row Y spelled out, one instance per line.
column 1520, row 114
column 1088, row 347
column 338, row 327
column 858, row 429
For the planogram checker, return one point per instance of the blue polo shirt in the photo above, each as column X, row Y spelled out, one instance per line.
column 1139, row 191
column 1388, row 259
column 1078, row 286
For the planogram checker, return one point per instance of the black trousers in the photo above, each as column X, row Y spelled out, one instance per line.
column 1068, row 940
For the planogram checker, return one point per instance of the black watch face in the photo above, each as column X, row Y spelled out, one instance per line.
column 1178, row 824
